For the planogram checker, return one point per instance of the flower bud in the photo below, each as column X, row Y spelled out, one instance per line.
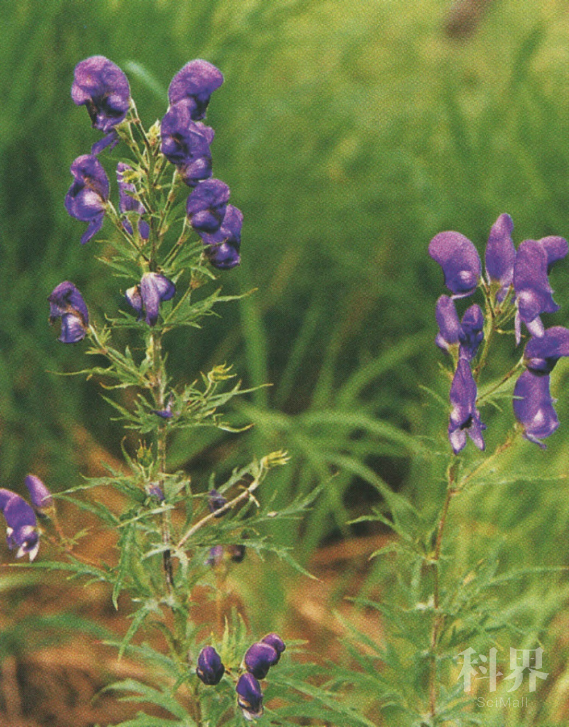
column 209, row 669
column 39, row 494
column 259, row 658
column 249, row 696
column 276, row 642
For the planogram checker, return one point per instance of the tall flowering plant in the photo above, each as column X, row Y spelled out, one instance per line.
column 170, row 231
column 437, row 610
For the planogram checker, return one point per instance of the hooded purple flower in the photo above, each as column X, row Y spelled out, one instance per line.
column 533, row 407
column 464, row 417
column 541, row 354
column 210, row 668
column 101, row 86
column 448, row 322
column 534, row 295
column 39, row 494
column 207, row 204
column 222, row 247
column 146, row 297
column 186, row 143
column 471, row 331
column 249, row 696
column 259, row 658
column 468, row 332
column 500, row 255
column 276, row 642
column 21, row 524
column 87, row 196
column 196, row 81
column 459, row 260
column 66, row 302
column 127, row 203
column 215, row 502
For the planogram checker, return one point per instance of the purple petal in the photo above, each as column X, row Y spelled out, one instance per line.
column 259, row 658
column 222, row 247
column 196, row 81
column 39, row 494
column 22, row 526
column 534, row 295
column 101, row 86
column 154, row 289
column 533, row 407
column 210, row 668
column 459, row 260
column 556, row 248
column 448, row 322
column 500, row 255
column 207, row 205
column 541, row 354
column 472, row 331
column 464, row 417
column 249, row 696
column 183, row 141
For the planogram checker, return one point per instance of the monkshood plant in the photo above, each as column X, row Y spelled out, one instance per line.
column 443, row 623
column 172, row 534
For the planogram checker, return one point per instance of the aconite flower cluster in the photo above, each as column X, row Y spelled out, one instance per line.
column 257, row 661
column 182, row 139
column 515, row 286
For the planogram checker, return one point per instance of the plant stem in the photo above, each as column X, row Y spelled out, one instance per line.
column 438, row 618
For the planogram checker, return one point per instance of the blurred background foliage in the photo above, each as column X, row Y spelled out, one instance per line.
column 350, row 133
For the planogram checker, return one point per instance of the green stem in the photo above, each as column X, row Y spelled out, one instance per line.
column 438, row 618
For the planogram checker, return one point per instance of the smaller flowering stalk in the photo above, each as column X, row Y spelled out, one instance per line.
column 210, row 668
column 66, row 303
column 146, row 297
column 87, row 197
column 21, row 531
column 101, row 86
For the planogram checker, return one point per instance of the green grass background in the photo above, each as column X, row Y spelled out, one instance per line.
column 350, row 132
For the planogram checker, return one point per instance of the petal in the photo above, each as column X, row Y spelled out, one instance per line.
column 448, row 323
column 541, row 354
column 533, row 407
column 500, row 254
column 459, row 260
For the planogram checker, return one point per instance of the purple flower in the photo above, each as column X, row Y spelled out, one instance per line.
column 500, row 255
column 166, row 413
column 215, row 556
column 448, row 322
column 39, row 494
column 464, row 417
column 471, row 331
column 249, row 696
column 541, row 354
column 276, row 642
column 154, row 490
column 533, row 407
column 207, row 204
column 146, row 297
column 215, row 502
column 459, row 260
column 67, row 303
column 222, row 247
column 468, row 332
column 210, row 668
column 534, row 295
column 186, row 143
column 87, row 196
column 127, row 203
column 196, row 81
column 259, row 658
column 21, row 524
column 102, row 87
